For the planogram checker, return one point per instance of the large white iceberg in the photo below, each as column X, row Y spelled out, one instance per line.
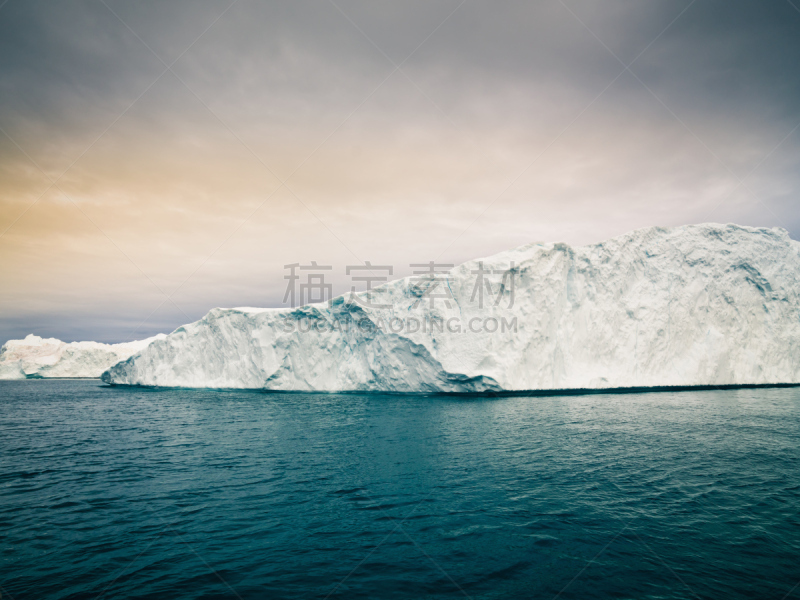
column 36, row 357
column 697, row 305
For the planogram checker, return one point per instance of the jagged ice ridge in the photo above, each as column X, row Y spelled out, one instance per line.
column 687, row 306
column 35, row 357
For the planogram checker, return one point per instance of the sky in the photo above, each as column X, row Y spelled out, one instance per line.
column 159, row 159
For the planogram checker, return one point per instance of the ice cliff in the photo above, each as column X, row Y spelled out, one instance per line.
column 36, row 357
column 693, row 305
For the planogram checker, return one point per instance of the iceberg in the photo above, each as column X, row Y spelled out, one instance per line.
column 698, row 305
column 35, row 357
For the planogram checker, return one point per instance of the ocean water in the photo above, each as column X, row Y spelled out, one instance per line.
column 117, row 493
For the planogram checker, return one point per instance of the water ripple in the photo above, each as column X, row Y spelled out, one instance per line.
column 109, row 493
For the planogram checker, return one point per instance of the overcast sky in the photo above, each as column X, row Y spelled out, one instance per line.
column 158, row 159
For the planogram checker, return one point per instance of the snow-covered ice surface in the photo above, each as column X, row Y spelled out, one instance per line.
column 36, row 357
column 687, row 306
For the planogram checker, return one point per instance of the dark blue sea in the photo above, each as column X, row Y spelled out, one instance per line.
column 133, row 493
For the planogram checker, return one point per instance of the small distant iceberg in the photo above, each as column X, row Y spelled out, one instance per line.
column 698, row 305
column 36, row 357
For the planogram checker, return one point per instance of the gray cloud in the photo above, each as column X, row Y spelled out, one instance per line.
column 492, row 135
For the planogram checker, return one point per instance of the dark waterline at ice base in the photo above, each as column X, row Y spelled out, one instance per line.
column 136, row 493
